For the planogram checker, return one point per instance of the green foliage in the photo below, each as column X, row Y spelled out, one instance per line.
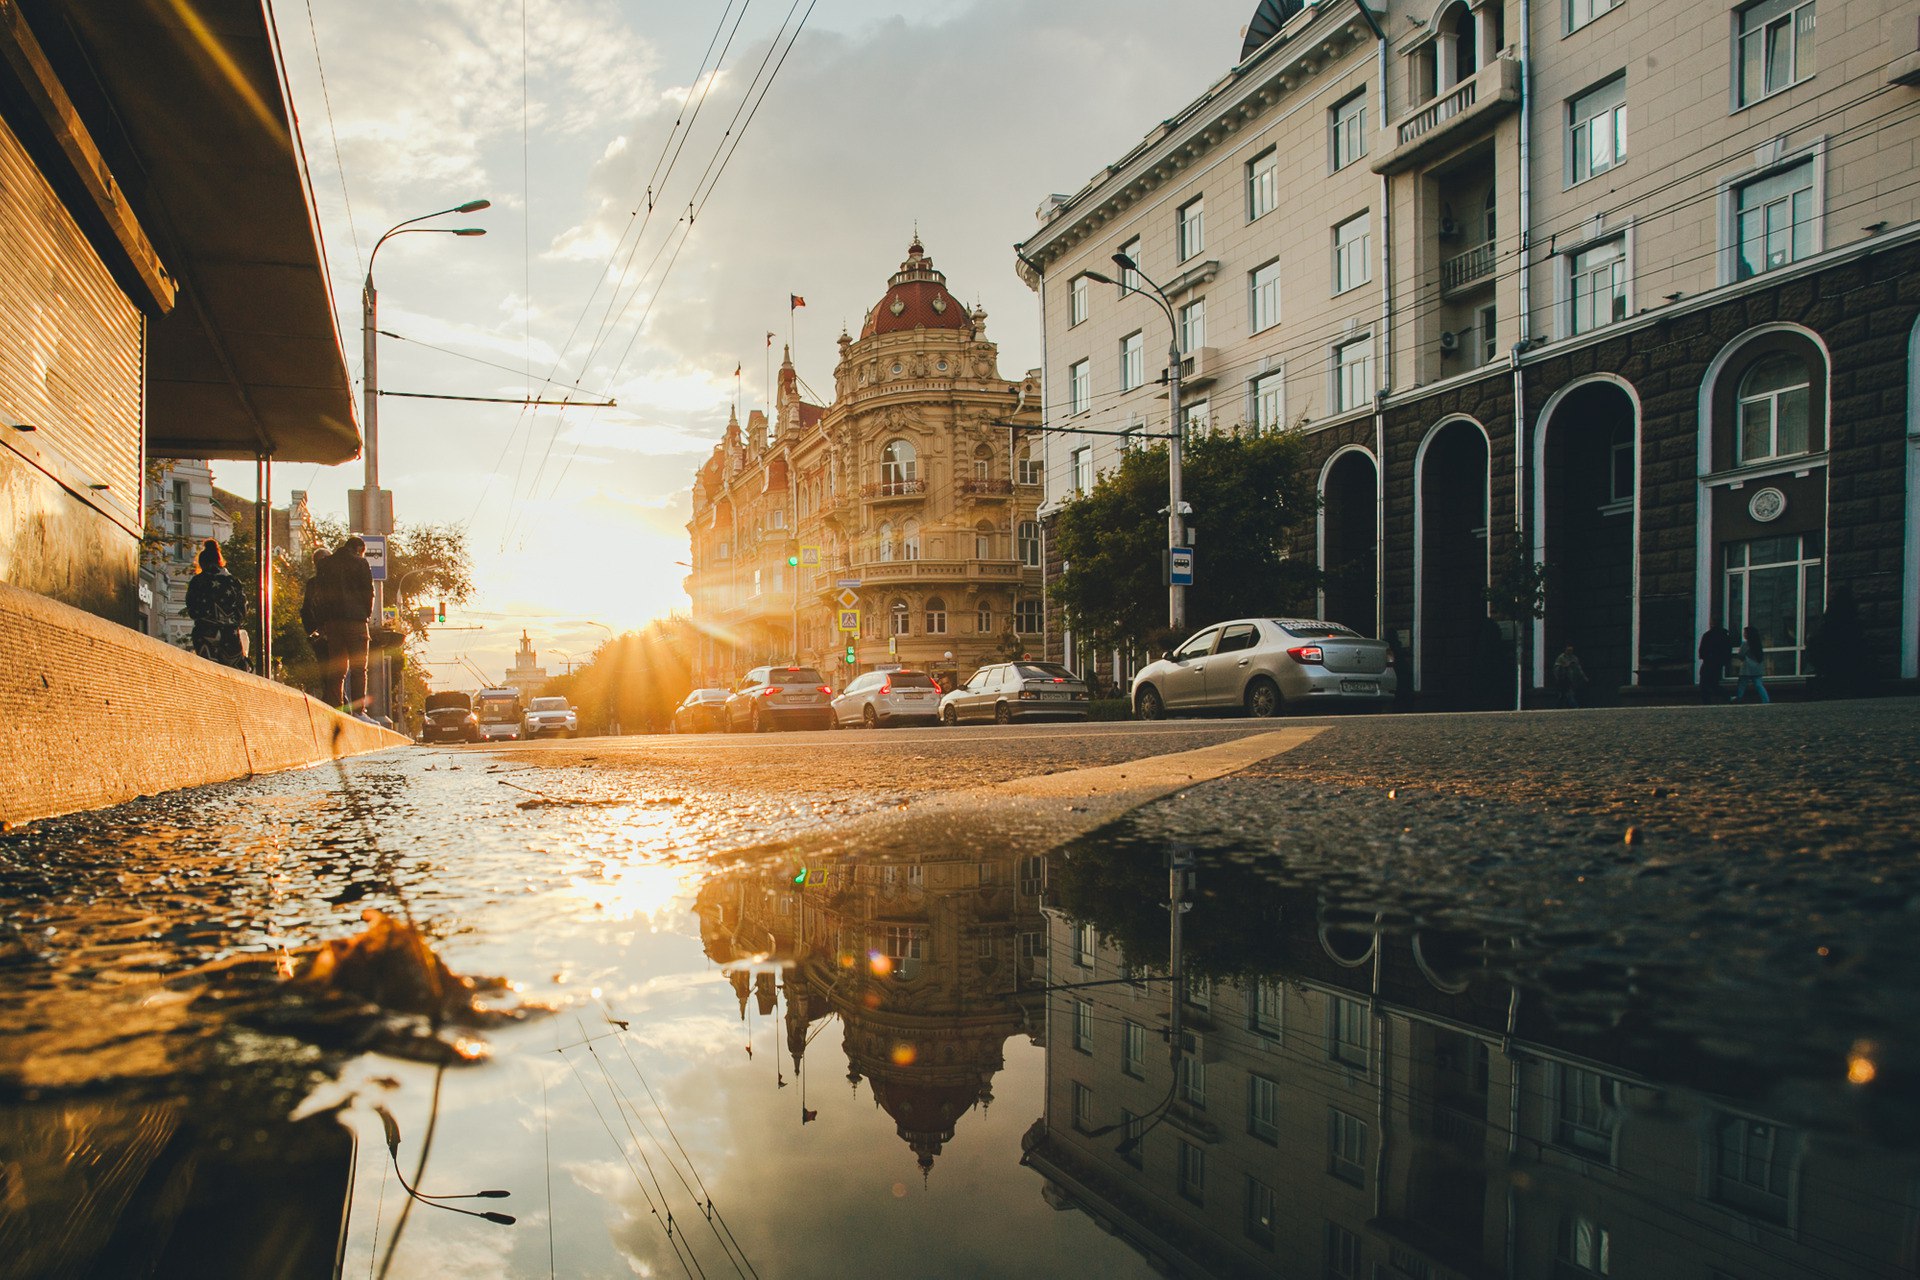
column 635, row 680
column 1517, row 591
column 1251, row 495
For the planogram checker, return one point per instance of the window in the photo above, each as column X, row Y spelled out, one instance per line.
column 1033, row 877
column 1349, row 128
column 1599, row 285
column 1260, row 1212
column 1082, row 1107
column 983, row 619
column 1773, row 220
column 1193, row 326
column 1581, row 12
column 1079, row 387
column 884, row 541
column 1030, row 544
column 1353, row 374
column 1134, row 1129
column 910, row 541
column 899, row 465
column 1083, row 469
column 1772, row 410
column 1349, row 1034
column 1083, row 1026
column 1263, row 297
column 1352, row 259
column 1774, row 48
column 1586, row 1248
column 1199, row 991
column 1027, row 617
column 1192, row 1079
column 1132, row 361
column 1133, row 436
column 1486, row 334
column 1264, row 1007
column 936, row 616
column 1346, row 1147
column 904, row 942
column 983, row 541
column 1263, row 1108
column 1191, row 1176
column 1130, row 276
column 1343, row 1253
column 1269, row 411
column 1596, row 130
column 1621, row 479
column 1586, row 1111
column 1777, row 585
column 1263, row 184
column 1195, row 418
column 1033, row 945
column 902, row 619
column 1085, row 941
column 1752, row 1163
column 1192, row 230
column 1076, row 301
column 982, row 463
column 1133, row 1049
column 1029, row 468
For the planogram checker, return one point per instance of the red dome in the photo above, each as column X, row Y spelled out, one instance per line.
column 916, row 298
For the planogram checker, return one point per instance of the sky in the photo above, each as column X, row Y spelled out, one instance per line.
column 953, row 116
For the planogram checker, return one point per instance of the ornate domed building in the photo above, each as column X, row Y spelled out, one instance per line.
column 919, row 482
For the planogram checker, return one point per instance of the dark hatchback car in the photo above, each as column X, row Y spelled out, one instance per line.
column 780, row 698
column 704, row 711
column 450, row 718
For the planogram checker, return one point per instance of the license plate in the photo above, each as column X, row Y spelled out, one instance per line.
column 1055, row 697
column 796, row 697
column 914, row 697
column 1359, row 686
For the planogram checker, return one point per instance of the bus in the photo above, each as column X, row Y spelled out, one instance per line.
column 500, row 712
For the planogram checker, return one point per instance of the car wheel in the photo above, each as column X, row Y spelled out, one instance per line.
column 1148, row 704
column 869, row 719
column 1263, row 698
column 1002, row 713
column 755, row 723
column 948, row 716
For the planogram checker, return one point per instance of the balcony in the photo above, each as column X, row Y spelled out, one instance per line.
column 977, row 488
column 872, row 572
column 894, row 490
column 1470, row 107
column 1464, row 270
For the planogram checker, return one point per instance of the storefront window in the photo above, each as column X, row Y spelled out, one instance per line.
column 1779, row 586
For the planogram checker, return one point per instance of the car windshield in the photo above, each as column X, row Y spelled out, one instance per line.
column 1313, row 630
column 708, row 695
column 1043, row 671
column 548, row 704
column 909, row 680
column 795, row 675
column 449, row 702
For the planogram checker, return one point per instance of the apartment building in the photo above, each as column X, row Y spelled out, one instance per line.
column 1625, row 288
column 1352, row 1102
column 915, row 491
column 182, row 513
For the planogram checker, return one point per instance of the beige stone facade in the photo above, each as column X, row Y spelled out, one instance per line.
column 919, row 483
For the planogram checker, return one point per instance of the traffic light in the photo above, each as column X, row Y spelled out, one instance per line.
column 443, row 611
column 850, row 658
column 793, row 554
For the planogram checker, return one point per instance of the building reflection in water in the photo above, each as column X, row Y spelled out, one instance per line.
column 930, row 965
column 1354, row 1100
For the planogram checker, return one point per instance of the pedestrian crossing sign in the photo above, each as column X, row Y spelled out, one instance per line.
column 850, row 620
column 810, row 557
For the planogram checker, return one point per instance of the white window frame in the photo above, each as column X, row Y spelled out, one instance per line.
column 1814, row 153
column 1190, row 229
column 1351, row 381
column 1193, row 325
column 1347, row 123
column 1771, row 399
column 1580, row 12
column 1079, row 387
column 1133, row 1049
column 1263, row 297
column 1353, row 252
column 1348, row 1137
column 1786, row 15
column 1028, row 532
column 1133, row 360
column 1198, row 418
column 900, row 618
column 983, row 619
column 1130, row 280
column 1486, row 333
column 1263, row 1107
column 1082, row 462
column 1263, row 184
column 1267, row 391
column 1031, row 469
column 1572, row 275
column 1602, row 106
column 1077, row 301
column 1083, row 1026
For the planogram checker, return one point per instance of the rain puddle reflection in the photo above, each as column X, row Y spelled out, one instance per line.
column 990, row 1063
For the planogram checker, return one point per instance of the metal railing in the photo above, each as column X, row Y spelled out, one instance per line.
column 1439, row 111
column 894, row 489
column 1471, row 267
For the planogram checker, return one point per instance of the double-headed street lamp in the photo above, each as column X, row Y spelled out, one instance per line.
column 375, row 515
column 1176, row 509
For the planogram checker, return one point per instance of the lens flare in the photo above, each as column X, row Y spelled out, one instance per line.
column 903, row 1055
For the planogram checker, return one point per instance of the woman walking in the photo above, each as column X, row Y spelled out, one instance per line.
column 218, row 605
column 1753, row 667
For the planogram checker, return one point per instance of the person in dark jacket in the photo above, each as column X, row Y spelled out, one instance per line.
column 1716, row 651
column 217, row 603
column 343, row 600
column 310, row 619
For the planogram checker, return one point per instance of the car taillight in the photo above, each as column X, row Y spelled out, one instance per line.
column 887, row 687
column 767, row 692
column 827, row 689
column 1307, row 654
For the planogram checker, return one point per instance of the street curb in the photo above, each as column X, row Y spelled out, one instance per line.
column 93, row 714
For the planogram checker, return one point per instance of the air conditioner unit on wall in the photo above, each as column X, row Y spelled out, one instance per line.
column 1449, row 229
column 1200, row 365
column 1449, row 342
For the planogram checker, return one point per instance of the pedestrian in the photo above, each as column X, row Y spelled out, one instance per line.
column 218, row 605
column 1569, row 677
column 1753, row 667
column 343, row 600
column 310, row 620
column 1716, row 652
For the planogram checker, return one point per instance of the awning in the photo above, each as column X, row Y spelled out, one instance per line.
column 191, row 113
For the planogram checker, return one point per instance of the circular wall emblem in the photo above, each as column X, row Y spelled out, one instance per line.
column 897, row 306
column 896, row 366
column 1767, row 505
column 942, row 366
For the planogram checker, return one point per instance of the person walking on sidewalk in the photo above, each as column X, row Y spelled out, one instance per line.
column 1569, row 677
column 1716, row 652
column 217, row 603
column 1753, row 667
column 342, row 591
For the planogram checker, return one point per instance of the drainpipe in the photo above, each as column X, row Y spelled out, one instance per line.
column 1526, row 329
column 1386, row 347
column 1046, row 449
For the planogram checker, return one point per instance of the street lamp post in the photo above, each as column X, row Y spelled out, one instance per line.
column 1176, row 509
column 375, row 515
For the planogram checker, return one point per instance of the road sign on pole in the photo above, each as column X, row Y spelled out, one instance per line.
column 1180, row 566
column 848, row 599
column 810, row 557
column 893, row 645
column 376, row 554
column 850, row 620
column 846, row 582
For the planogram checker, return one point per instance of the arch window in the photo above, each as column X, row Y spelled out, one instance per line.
column 910, row 542
column 1773, row 410
column 885, row 545
column 983, row 541
column 982, row 463
column 901, row 618
column 1030, row 544
column 899, row 467
column 936, row 616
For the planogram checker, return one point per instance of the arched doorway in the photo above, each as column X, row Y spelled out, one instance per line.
column 1349, row 542
column 1587, row 477
column 1456, row 645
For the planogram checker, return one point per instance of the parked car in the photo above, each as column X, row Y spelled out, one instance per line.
column 703, row 711
column 888, row 697
column 549, row 717
column 780, row 698
column 1265, row 667
column 1009, row 691
column 450, row 718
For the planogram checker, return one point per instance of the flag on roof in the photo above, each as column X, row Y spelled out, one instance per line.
column 795, row 300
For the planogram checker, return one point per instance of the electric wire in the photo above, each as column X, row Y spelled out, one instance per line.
column 339, row 164
column 628, row 1159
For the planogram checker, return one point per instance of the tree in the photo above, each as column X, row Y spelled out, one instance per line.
column 634, row 681
column 1517, row 595
column 1251, row 495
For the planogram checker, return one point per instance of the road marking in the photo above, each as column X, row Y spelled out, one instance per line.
column 1161, row 773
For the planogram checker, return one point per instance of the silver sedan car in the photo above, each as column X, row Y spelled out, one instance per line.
column 1265, row 667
